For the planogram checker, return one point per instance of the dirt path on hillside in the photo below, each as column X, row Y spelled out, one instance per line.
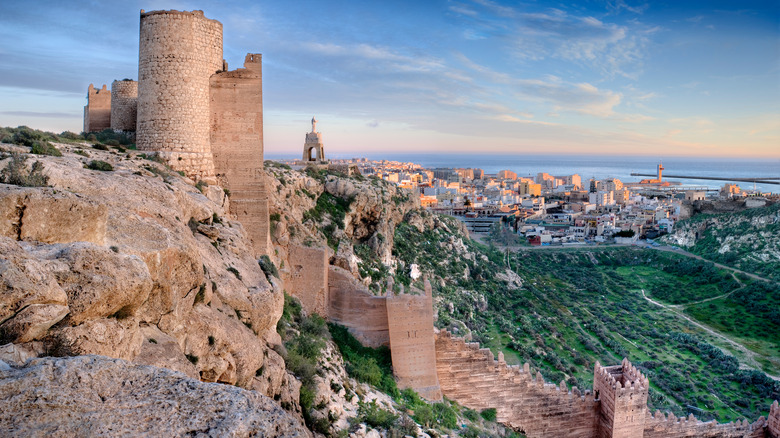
column 683, row 306
column 749, row 354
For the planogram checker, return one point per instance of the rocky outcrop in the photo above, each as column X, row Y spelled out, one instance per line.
column 98, row 396
column 137, row 264
column 375, row 208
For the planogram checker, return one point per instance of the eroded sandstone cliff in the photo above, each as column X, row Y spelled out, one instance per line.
column 137, row 263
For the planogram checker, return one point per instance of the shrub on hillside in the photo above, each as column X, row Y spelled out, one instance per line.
column 16, row 173
column 100, row 165
column 45, row 148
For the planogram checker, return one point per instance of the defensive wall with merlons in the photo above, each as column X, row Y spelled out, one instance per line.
column 439, row 364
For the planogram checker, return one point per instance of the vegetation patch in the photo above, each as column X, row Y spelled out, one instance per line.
column 16, row 173
column 100, row 165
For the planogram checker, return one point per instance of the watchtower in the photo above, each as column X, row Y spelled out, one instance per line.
column 412, row 341
column 178, row 53
column 313, row 149
column 124, row 105
column 97, row 112
column 622, row 392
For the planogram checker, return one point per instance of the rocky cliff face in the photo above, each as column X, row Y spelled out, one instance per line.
column 137, row 264
column 98, row 396
column 314, row 208
column 748, row 240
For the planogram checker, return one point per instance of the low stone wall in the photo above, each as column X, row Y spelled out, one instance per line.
column 353, row 306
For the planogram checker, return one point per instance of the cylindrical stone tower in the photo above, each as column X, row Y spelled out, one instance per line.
column 178, row 53
column 124, row 105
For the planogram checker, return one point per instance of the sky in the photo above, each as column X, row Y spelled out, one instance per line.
column 660, row 78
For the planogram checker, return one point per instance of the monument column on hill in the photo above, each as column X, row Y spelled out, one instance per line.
column 313, row 149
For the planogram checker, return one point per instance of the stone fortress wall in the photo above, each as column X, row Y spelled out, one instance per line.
column 236, row 141
column 617, row 407
column 178, row 53
column 353, row 306
column 412, row 346
column 438, row 364
column 192, row 112
column 402, row 321
column 124, row 105
column 97, row 112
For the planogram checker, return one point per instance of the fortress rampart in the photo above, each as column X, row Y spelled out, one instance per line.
column 97, row 112
column 178, row 53
column 412, row 345
column 236, row 139
column 437, row 365
column 124, row 105
column 402, row 321
column 354, row 307
column 474, row 378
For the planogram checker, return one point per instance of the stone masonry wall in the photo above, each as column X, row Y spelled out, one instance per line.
column 97, row 112
column 622, row 392
column 472, row 377
column 773, row 422
column 412, row 344
column 236, row 105
column 308, row 278
column 178, row 53
column 659, row 425
column 353, row 306
column 124, row 105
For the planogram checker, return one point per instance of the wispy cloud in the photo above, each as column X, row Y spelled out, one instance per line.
column 52, row 115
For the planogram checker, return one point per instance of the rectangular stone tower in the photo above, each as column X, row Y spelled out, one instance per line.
column 622, row 391
column 412, row 341
column 236, row 137
column 97, row 112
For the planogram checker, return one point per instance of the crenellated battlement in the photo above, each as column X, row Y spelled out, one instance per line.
column 617, row 407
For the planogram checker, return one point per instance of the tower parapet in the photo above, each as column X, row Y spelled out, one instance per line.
column 124, row 105
column 622, row 391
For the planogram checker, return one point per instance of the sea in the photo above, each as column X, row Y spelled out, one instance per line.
column 600, row 166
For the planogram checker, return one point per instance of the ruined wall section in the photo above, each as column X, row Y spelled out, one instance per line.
column 622, row 391
column 97, row 112
column 353, row 306
column 124, row 105
column 412, row 342
column 236, row 137
column 472, row 377
column 178, row 53
column 308, row 278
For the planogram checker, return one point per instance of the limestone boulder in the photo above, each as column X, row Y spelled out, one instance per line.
column 50, row 216
column 31, row 300
column 98, row 396
column 98, row 281
column 161, row 350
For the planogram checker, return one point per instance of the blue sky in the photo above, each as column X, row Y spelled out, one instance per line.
column 657, row 78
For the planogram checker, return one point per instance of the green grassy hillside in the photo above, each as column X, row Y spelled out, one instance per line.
column 579, row 306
